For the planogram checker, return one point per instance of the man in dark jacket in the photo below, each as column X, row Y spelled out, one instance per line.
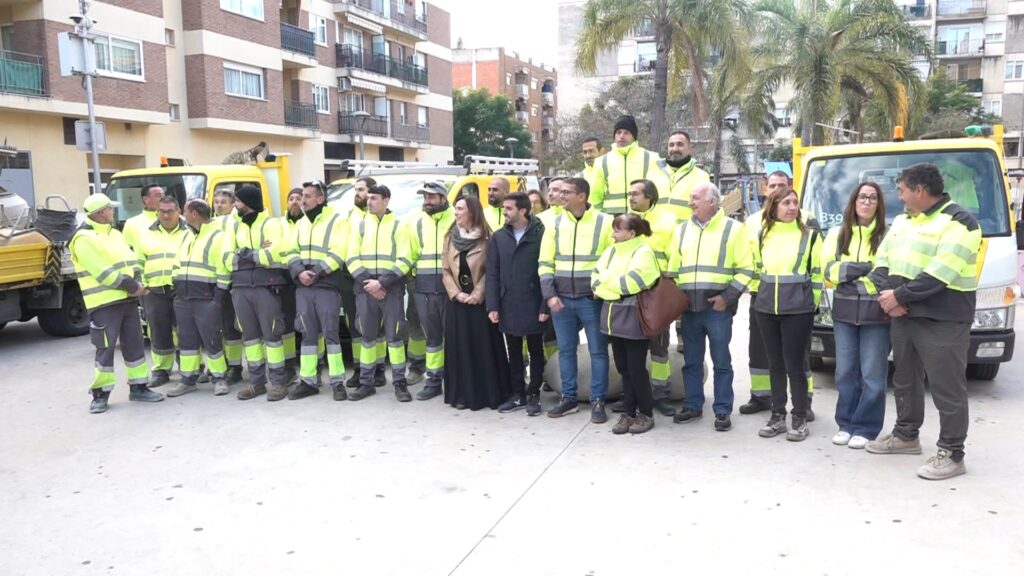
column 514, row 300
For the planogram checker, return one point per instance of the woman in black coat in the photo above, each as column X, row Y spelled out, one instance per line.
column 514, row 301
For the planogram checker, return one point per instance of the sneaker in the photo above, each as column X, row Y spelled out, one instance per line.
column 303, row 390
column 687, row 415
column 414, row 377
column 723, row 422
column 597, row 413
column 623, row 424
column 619, row 407
column 799, row 432
column 220, row 388
column 141, row 393
column 533, row 405
column 180, row 390
column 756, row 404
column 891, row 444
column 665, row 407
column 277, row 392
column 776, row 425
column 841, row 438
column 565, row 406
column 204, row 377
column 942, row 467
column 428, row 392
column 339, row 393
column 99, row 402
column 514, row 403
column 641, row 424
column 251, row 391
column 402, row 393
column 362, row 392
column 234, row 375
column 159, row 378
column 857, row 442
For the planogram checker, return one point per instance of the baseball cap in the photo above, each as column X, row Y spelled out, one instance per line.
column 432, row 187
column 97, row 202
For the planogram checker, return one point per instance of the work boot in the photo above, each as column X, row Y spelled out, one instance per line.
column 597, row 413
column 892, row 444
column 159, row 378
column 942, row 466
column 664, row 407
column 277, row 392
column 776, row 425
column 722, row 422
column 142, row 393
column 379, row 377
column 362, row 392
column 687, row 415
column 99, row 401
column 533, row 405
column 622, row 426
column 810, row 413
column 252, row 391
column 339, row 393
column 204, row 376
column 353, row 381
column 220, row 388
column 402, row 393
column 798, row 432
column 428, row 392
column 303, row 390
column 756, row 404
column 234, row 375
column 642, row 423
column 180, row 390
column 414, row 377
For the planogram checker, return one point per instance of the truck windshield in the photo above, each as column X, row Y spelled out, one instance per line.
column 404, row 198
column 128, row 190
column 972, row 179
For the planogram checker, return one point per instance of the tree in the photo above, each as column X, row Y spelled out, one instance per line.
column 482, row 123
column 686, row 33
column 835, row 50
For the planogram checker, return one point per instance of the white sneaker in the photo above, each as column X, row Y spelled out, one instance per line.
column 858, row 442
column 841, row 438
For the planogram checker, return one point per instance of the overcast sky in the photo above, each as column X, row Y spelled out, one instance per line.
column 529, row 27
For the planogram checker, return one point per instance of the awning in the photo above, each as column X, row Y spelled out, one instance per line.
column 375, row 28
column 371, row 86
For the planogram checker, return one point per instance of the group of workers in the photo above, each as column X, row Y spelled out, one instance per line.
column 219, row 281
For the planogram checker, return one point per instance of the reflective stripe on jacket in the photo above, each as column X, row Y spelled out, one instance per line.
column 106, row 266
column 663, row 223
column 320, row 246
column 624, row 270
column 616, row 169
column 788, row 263
column 570, row 250
column 201, row 264
column 854, row 295
column 251, row 263
column 158, row 249
column 426, row 242
column 681, row 182
column 711, row 261
column 378, row 248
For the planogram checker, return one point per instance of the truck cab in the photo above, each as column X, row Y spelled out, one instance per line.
column 975, row 177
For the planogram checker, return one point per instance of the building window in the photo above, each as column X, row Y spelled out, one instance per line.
column 175, row 113
column 533, row 83
column 353, row 38
column 421, row 10
column 994, row 107
column 1011, row 148
column 403, row 111
column 168, row 37
column 533, row 110
column 119, row 57
column 354, row 102
column 421, row 117
column 7, row 37
column 1014, row 70
column 68, row 125
column 243, row 81
column 420, row 60
column 318, row 26
column 400, row 6
column 508, row 78
column 250, row 8
column 322, row 98
column 995, row 31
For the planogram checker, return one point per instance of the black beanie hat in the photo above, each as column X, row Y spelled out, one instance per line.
column 625, row 123
column 251, row 197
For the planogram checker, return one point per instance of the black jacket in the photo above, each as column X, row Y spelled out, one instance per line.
column 513, row 284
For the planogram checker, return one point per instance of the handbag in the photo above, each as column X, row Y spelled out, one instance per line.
column 660, row 305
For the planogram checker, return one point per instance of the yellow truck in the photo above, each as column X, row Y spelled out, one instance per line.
column 975, row 177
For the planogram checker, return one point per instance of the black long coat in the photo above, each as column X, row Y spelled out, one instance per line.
column 513, row 284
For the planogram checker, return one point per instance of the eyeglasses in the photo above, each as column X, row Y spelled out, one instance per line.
column 867, row 198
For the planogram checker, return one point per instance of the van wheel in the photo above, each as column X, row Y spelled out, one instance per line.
column 982, row 371
column 71, row 319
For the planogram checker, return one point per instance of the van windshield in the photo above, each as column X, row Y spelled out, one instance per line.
column 404, row 198
column 972, row 179
column 128, row 191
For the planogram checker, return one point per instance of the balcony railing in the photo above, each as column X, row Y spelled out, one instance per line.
column 409, row 18
column 411, row 133
column 301, row 115
column 917, row 12
column 522, row 116
column 547, row 121
column 354, row 57
column 522, row 91
column 23, row 74
column 369, row 125
column 295, row 39
column 961, row 48
column 961, row 8
column 547, row 99
column 973, row 84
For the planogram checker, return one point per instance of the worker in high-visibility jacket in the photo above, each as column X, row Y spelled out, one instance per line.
column 320, row 241
column 931, row 260
column 591, row 150
column 110, row 278
column 378, row 257
column 426, row 233
column 643, row 201
column 711, row 261
column 257, row 264
column 134, row 226
column 224, row 219
column 547, row 218
column 624, row 163
column 201, row 283
column 158, row 248
column 788, row 266
column 568, row 253
column 683, row 175
column 289, row 223
column 497, row 189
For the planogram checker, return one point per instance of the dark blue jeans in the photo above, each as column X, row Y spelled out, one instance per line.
column 585, row 311
column 862, row 366
column 714, row 328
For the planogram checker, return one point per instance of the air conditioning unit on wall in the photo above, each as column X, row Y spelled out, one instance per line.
column 344, row 84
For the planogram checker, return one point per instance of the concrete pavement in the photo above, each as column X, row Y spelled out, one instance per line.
column 211, row 485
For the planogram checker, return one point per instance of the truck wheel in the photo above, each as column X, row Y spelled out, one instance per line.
column 982, row 371
column 817, row 364
column 71, row 319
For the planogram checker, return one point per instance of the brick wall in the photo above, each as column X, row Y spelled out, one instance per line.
column 324, row 54
column 151, row 7
column 439, row 76
column 439, row 26
column 208, row 15
column 206, row 97
column 441, row 127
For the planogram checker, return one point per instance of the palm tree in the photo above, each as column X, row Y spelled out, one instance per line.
column 836, row 52
column 686, row 33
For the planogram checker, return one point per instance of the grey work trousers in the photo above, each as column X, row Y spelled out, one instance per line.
column 200, row 328
column 319, row 314
column 107, row 326
column 159, row 306
column 259, row 314
column 232, row 336
column 289, row 311
column 659, row 353
column 430, row 310
column 417, row 361
column 923, row 347
column 387, row 316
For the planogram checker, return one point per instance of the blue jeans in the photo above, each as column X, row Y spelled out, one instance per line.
column 584, row 311
column 862, row 367
column 714, row 328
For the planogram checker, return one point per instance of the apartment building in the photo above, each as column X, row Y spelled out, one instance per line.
column 200, row 79
column 531, row 87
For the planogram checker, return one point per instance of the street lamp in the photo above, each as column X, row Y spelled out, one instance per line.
column 361, row 116
column 511, row 141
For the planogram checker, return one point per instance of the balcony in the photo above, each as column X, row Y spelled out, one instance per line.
column 973, row 84
column 295, row 39
column 548, row 99
column 410, row 133
column 963, row 48
column 548, row 121
column 369, row 126
column 961, row 9
column 23, row 74
column 354, row 57
column 522, row 116
column 409, row 22
column 917, row 12
column 301, row 115
column 522, row 91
